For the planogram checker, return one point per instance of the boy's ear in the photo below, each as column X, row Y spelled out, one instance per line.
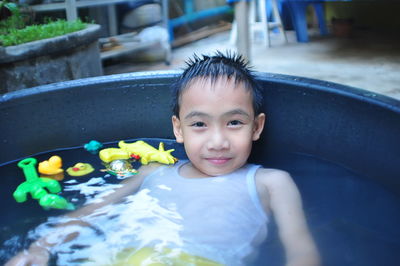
column 259, row 122
column 176, row 124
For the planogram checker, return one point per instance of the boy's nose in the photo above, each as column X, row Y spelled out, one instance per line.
column 218, row 141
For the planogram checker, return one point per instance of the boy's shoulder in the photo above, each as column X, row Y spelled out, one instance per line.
column 273, row 185
column 272, row 175
column 273, row 178
column 276, row 189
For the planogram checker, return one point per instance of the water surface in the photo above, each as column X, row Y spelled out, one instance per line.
column 354, row 220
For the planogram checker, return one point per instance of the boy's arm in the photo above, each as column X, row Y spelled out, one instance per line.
column 129, row 187
column 285, row 203
column 37, row 254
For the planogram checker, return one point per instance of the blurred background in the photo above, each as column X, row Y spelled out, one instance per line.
column 354, row 43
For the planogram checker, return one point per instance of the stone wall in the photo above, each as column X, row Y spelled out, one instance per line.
column 73, row 56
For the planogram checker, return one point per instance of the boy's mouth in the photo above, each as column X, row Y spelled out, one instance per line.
column 218, row 160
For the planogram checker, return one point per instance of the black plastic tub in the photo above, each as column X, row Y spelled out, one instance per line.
column 341, row 145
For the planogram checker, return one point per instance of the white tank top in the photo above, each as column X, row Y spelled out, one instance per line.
column 221, row 217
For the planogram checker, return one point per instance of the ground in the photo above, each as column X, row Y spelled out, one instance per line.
column 367, row 60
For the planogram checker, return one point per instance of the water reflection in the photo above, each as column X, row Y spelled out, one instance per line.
column 137, row 222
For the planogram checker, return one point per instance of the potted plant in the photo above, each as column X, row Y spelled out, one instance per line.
column 40, row 54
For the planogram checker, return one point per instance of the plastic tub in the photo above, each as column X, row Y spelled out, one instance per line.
column 352, row 204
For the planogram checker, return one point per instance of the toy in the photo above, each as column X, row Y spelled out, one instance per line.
column 160, row 256
column 93, row 146
column 52, row 168
column 37, row 186
column 80, row 169
column 111, row 154
column 120, row 168
column 56, row 202
column 148, row 153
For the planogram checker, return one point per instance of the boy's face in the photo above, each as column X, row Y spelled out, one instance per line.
column 217, row 125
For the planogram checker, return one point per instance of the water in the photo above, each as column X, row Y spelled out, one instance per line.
column 354, row 220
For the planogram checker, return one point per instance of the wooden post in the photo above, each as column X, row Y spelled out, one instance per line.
column 72, row 13
column 112, row 20
column 242, row 22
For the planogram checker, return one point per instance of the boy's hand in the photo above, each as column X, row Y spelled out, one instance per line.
column 35, row 255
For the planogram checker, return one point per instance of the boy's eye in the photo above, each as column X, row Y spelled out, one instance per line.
column 235, row 123
column 198, row 124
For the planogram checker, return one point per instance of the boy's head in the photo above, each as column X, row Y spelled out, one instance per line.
column 230, row 66
column 217, row 113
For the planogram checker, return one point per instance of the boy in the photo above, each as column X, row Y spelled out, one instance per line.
column 222, row 204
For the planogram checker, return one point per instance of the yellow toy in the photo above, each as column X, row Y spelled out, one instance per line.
column 52, row 168
column 166, row 256
column 148, row 153
column 80, row 169
column 112, row 154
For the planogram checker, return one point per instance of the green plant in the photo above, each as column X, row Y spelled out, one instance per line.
column 39, row 32
column 14, row 29
column 10, row 17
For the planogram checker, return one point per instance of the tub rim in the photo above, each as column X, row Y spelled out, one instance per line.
column 315, row 84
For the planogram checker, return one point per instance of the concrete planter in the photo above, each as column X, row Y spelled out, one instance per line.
column 71, row 56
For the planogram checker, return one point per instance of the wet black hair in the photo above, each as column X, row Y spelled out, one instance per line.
column 230, row 65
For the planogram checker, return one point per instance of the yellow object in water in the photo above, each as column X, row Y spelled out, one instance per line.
column 151, row 257
column 51, row 168
column 148, row 153
column 80, row 169
column 112, row 154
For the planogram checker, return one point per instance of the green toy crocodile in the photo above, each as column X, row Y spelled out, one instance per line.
column 37, row 186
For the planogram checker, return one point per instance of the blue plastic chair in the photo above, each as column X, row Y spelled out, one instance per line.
column 297, row 10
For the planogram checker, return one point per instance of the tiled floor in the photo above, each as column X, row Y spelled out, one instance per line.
column 367, row 60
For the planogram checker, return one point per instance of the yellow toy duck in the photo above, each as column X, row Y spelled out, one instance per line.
column 52, row 168
column 80, row 169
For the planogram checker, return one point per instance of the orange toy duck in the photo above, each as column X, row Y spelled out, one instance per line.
column 52, row 168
